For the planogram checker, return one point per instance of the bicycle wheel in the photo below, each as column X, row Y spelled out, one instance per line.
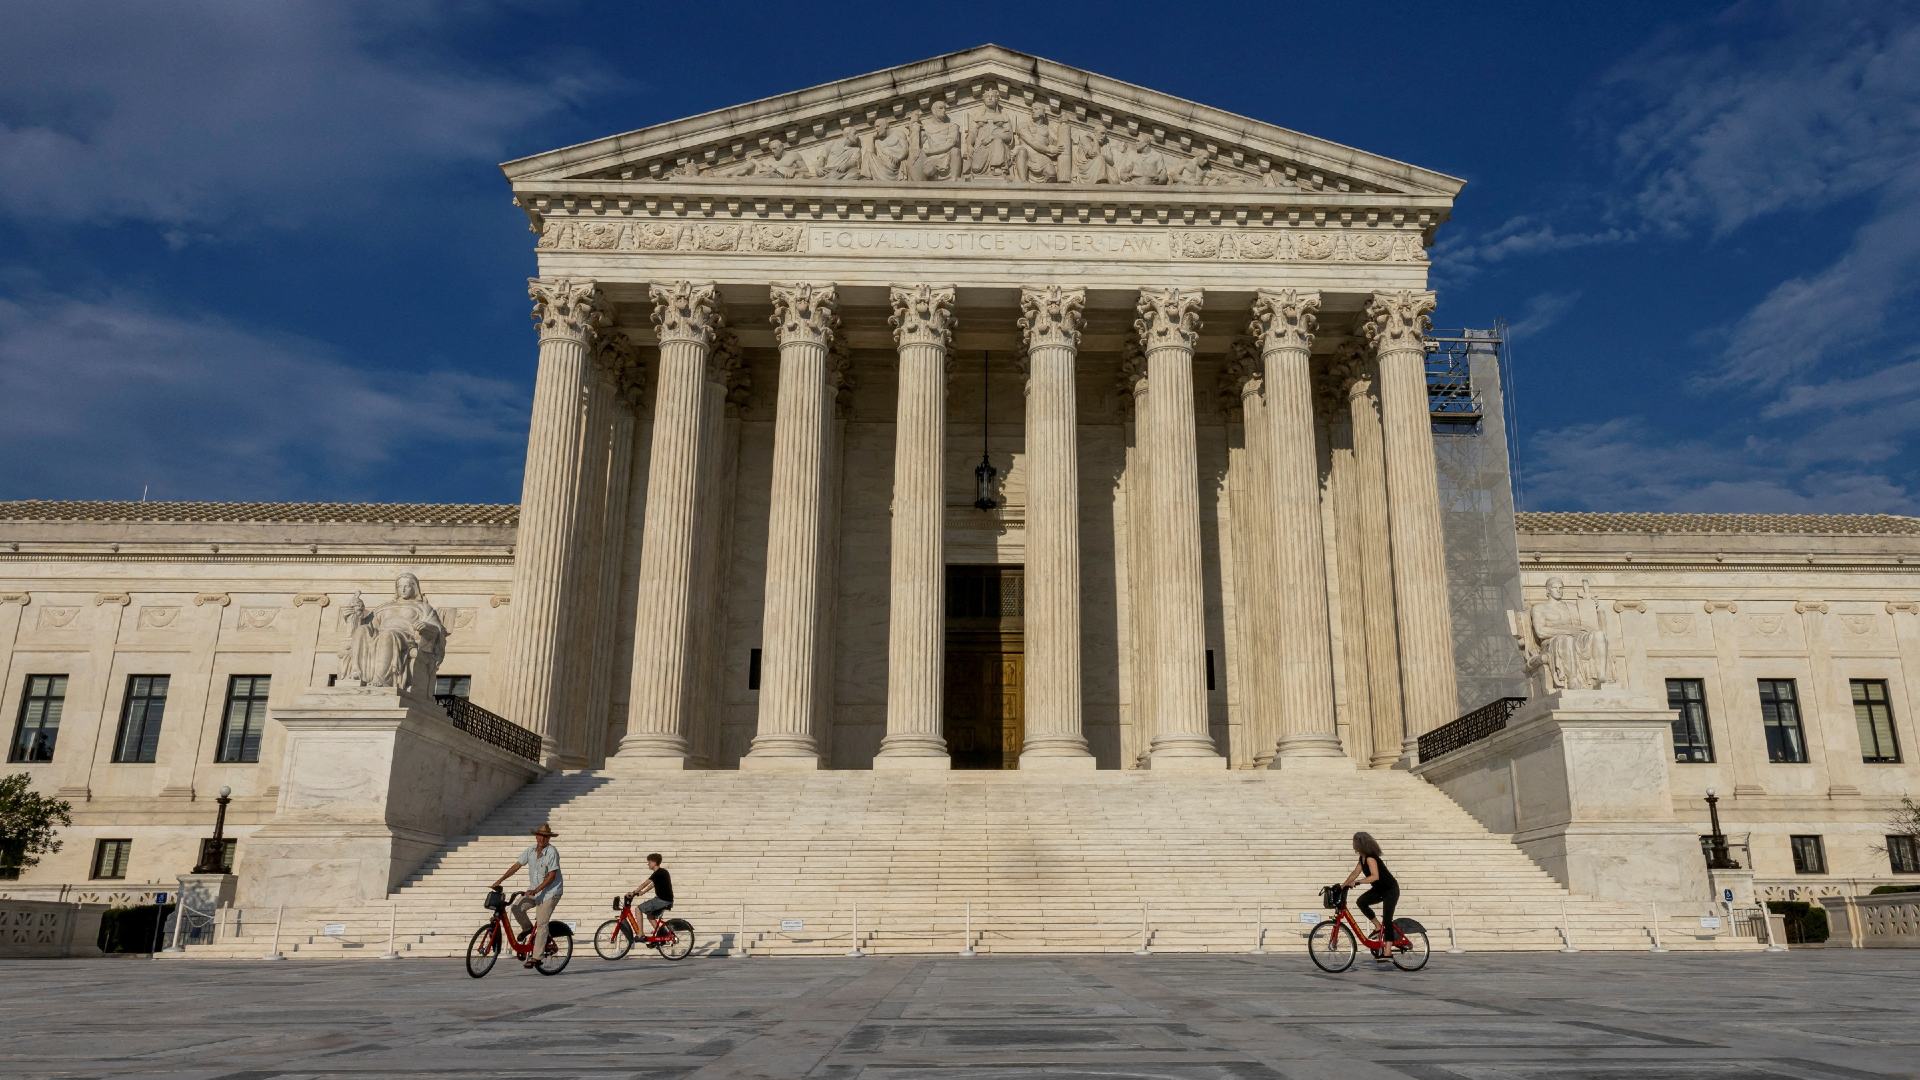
column 681, row 943
column 483, row 951
column 612, row 941
column 1331, row 946
column 556, row 961
column 1415, row 957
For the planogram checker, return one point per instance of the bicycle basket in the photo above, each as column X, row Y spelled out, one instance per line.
column 619, row 902
column 1331, row 895
column 496, row 901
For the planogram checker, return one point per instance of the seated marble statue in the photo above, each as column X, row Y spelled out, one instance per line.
column 398, row 644
column 1573, row 639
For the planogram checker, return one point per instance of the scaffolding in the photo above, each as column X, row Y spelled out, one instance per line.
column 1453, row 400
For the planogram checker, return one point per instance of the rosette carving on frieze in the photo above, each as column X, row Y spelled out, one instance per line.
column 1285, row 318
column 688, row 311
column 922, row 314
column 1398, row 319
column 1052, row 315
column 1168, row 318
column 805, row 313
column 569, row 308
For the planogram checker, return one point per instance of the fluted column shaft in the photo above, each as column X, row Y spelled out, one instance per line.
column 612, row 530
column 1168, row 326
column 1283, row 323
column 688, row 317
column 1140, row 565
column 1395, row 323
column 1256, row 577
column 1050, row 323
column 1369, row 497
column 805, row 322
column 570, row 315
column 916, row 621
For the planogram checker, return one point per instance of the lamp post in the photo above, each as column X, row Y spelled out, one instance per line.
column 1717, row 858
column 210, row 861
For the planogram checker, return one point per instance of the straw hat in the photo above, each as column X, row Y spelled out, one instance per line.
column 544, row 830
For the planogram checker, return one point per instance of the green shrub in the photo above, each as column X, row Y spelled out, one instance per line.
column 1806, row 923
column 1878, row 889
column 131, row 929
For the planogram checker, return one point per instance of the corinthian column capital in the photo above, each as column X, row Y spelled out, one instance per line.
column 568, row 308
column 687, row 311
column 615, row 353
column 1397, row 320
column 1052, row 315
column 805, row 313
column 1285, row 318
column 1168, row 318
column 922, row 314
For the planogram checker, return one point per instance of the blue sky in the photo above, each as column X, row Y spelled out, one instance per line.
column 263, row 251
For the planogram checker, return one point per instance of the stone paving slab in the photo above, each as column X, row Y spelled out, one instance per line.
column 1814, row 1015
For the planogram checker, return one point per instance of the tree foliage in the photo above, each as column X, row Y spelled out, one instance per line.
column 1904, row 822
column 27, row 822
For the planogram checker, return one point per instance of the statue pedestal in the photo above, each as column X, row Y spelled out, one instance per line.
column 1579, row 779
column 372, row 782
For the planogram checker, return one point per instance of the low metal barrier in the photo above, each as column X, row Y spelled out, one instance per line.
column 1479, row 724
column 490, row 727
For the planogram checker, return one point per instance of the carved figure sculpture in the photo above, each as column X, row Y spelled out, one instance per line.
column 886, row 152
column 1037, row 147
column 1089, row 158
column 1144, row 165
column 783, row 162
column 938, row 139
column 398, row 644
column 1193, row 170
column 842, row 159
column 989, row 141
column 1572, row 637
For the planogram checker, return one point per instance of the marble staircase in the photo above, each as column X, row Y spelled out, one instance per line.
column 821, row 863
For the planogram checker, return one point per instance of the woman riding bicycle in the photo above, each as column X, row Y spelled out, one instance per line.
column 1372, row 870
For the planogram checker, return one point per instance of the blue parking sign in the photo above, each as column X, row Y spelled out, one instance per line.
column 1726, row 895
column 161, row 898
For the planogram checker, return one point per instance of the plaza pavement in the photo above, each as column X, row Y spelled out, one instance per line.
column 1484, row 1016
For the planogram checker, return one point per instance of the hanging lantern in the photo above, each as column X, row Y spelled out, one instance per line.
column 984, row 473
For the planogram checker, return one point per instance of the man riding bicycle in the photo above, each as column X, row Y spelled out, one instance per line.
column 660, row 884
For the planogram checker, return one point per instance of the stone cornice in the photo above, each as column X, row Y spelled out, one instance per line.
column 1693, row 562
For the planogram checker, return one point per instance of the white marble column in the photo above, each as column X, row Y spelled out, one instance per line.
column 923, row 325
column 1395, row 324
column 1283, row 322
column 622, row 360
column 571, row 315
column 1169, row 327
column 1253, row 539
column 805, row 323
column 1376, row 566
column 688, row 316
column 1141, row 625
column 1050, row 321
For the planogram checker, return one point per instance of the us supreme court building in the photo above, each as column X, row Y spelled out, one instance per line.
column 978, row 414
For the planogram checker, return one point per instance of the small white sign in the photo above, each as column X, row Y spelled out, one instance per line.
column 1709, row 922
column 334, row 929
column 792, row 926
column 1309, row 918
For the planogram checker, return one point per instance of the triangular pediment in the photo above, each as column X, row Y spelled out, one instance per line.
column 985, row 118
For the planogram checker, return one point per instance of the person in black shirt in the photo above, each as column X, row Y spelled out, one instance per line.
column 1372, row 870
column 660, row 884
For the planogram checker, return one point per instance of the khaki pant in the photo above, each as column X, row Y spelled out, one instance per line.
column 542, row 914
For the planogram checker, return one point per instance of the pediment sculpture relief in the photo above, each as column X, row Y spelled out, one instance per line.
column 1564, row 640
column 991, row 140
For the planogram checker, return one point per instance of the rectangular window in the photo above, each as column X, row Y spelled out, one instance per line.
column 453, row 686
column 1692, row 741
column 110, row 859
column 1874, row 715
column 1809, row 855
column 1904, row 853
column 43, row 699
column 224, row 860
column 246, row 718
column 1780, row 713
column 140, row 717
column 12, row 854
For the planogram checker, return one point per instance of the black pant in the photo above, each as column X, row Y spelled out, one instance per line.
column 1387, row 896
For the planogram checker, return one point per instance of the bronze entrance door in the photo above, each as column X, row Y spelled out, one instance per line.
column 985, row 667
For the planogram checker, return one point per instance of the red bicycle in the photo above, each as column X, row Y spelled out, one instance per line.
column 671, row 938
column 1333, row 943
column 485, row 948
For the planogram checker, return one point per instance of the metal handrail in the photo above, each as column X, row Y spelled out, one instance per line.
column 489, row 727
column 1481, row 723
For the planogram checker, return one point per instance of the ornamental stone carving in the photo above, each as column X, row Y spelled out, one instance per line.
column 568, row 308
column 1051, row 315
column 399, row 644
column 1398, row 320
column 937, row 151
column 888, row 152
column 922, row 314
column 988, row 145
column 804, row 313
column 1242, row 376
column 1168, row 318
column 1565, row 640
column 1284, row 318
column 686, row 311
column 1131, row 379
column 616, row 354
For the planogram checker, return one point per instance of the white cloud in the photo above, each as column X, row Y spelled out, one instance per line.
column 189, row 116
column 1544, row 310
column 101, row 396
